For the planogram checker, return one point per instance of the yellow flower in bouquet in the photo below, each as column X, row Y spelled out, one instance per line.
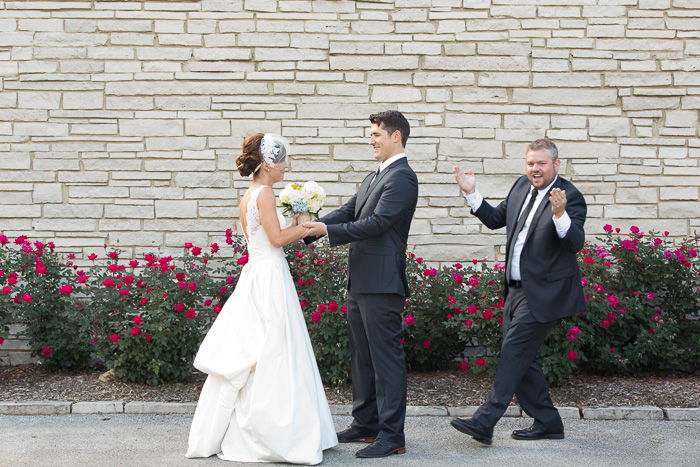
column 302, row 197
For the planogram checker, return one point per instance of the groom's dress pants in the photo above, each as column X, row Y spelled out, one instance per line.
column 378, row 364
column 518, row 372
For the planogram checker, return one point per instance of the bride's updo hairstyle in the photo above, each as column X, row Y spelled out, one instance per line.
column 261, row 148
column 250, row 158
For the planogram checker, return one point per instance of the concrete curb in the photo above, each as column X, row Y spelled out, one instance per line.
column 164, row 408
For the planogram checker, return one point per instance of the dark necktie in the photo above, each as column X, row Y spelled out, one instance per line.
column 376, row 174
column 518, row 227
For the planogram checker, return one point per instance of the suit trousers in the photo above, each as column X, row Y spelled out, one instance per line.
column 518, row 372
column 378, row 364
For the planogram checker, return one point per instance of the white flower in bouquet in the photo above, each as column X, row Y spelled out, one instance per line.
column 302, row 197
column 314, row 195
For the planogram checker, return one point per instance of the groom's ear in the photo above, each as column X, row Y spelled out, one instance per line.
column 396, row 136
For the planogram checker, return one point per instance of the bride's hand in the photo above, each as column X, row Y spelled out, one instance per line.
column 294, row 220
column 316, row 229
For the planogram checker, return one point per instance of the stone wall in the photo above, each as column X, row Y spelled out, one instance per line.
column 120, row 121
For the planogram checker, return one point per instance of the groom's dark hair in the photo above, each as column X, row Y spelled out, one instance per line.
column 391, row 121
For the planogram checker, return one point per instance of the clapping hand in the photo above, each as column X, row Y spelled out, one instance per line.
column 557, row 198
column 315, row 229
column 466, row 181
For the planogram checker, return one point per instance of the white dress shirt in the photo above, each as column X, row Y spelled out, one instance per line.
column 390, row 161
column 562, row 224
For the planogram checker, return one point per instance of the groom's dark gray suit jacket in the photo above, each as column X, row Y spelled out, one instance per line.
column 548, row 267
column 376, row 222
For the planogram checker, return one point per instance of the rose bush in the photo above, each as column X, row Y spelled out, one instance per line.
column 39, row 291
column 146, row 317
column 149, row 315
column 642, row 303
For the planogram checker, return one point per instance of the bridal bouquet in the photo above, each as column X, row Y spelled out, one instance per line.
column 301, row 198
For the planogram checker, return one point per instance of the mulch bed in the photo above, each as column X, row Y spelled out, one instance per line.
column 442, row 388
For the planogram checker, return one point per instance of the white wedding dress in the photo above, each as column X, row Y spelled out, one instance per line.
column 263, row 400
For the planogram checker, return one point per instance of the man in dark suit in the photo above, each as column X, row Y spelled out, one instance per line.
column 544, row 216
column 376, row 222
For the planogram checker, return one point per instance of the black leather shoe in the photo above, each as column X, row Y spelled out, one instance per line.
column 533, row 433
column 473, row 429
column 381, row 448
column 356, row 435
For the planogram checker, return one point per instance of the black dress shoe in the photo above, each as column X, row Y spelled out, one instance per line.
column 533, row 433
column 356, row 435
column 381, row 448
column 473, row 429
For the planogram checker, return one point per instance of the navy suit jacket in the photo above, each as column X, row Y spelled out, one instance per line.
column 376, row 222
column 548, row 267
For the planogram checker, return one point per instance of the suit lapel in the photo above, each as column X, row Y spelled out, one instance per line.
column 366, row 189
column 519, row 195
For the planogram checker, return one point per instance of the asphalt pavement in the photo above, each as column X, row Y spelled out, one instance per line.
column 160, row 440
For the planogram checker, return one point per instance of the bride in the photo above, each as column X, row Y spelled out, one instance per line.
column 263, row 400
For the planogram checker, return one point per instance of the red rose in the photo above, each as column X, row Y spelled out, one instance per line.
column 468, row 322
column 487, row 314
column 144, row 301
column 128, row 279
column 138, row 321
column 481, row 361
column 464, row 366
column 605, row 323
column 223, row 290
column 196, row 250
column 191, row 313
column 409, row 320
column 242, row 260
column 46, row 350
column 471, row 309
column 179, row 307
column 2, row 339
column 634, row 229
column 333, row 306
column 92, row 256
column 27, row 298
column 457, row 277
column 214, row 247
column 135, row 331
column 114, row 337
column 182, row 284
column 230, row 279
column 124, row 292
column 180, row 276
column 217, row 309
column 188, row 245
column 21, row 239
column 82, row 279
column 147, row 338
column 193, row 286
column 3, row 239
column 65, row 289
column 427, row 344
column 588, row 260
column 572, row 355
column 108, row 283
column 113, row 254
column 302, row 303
column 608, row 228
column 315, row 316
column 12, row 280
column 133, row 263
column 321, row 308
column 40, row 268
column 6, row 290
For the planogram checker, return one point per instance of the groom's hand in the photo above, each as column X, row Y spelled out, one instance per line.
column 316, row 229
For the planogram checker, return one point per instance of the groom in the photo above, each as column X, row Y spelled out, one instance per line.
column 376, row 222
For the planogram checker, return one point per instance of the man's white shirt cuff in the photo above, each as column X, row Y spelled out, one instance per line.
column 562, row 224
column 475, row 199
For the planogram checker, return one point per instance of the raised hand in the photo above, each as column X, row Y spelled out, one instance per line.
column 316, row 229
column 466, row 181
column 557, row 198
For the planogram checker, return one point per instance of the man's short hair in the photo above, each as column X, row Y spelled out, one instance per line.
column 392, row 120
column 544, row 143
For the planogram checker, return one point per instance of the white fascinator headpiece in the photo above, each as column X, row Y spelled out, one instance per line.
column 273, row 150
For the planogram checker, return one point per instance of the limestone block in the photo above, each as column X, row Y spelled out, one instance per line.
column 636, row 195
column 566, row 79
column 526, row 121
column 630, row 211
column 678, row 193
column 393, row 62
column 65, row 225
column 38, row 100
column 480, row 63
column 129, row 212
column 83, row 100
column 472, row 120
column 286, row 54
column 41, row 129
column 165, row 53
column 639, row 44
column 143, row 239
column 395, row 94
column 637, row 79
column 197, row 179
column 679, row 209
column 594, row 169
column 609, row 126
column 605, row 30
column 180, row 165
column 14, row 161
column 681, row 118
column 684, row 414
column 588, row 97
column 207, row 127
column 503, row 79
column 597, row 11
column 593, row 64
column 257, row 39
column 150, row 127
column 469, row 148
column 124, row 25
column 622, row 413
column 440, row 78
column 97, row 192
column 61, row 39
column 478, row 94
